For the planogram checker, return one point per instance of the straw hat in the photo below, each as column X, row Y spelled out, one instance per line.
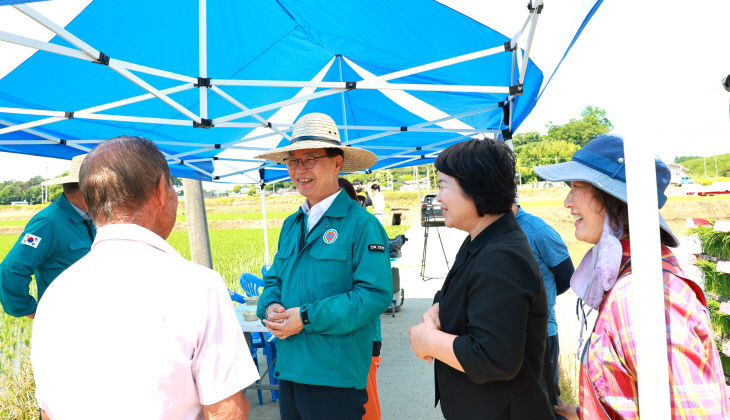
column 73, row 172
column 319, row 131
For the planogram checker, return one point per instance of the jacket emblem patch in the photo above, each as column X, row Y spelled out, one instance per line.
column 329, row 236
column 376, row 247
column 31, row 240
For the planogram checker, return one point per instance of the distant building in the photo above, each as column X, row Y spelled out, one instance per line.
column 678, row 171
column 19, row 203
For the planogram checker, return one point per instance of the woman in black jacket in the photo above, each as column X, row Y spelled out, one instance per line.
column 487, row 328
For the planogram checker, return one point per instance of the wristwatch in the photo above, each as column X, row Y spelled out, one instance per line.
column 304, row 314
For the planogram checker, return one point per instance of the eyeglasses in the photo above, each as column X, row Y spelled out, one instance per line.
column 307, row 163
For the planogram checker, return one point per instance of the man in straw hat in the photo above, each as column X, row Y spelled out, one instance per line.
column 55, row 238
column 330, row 280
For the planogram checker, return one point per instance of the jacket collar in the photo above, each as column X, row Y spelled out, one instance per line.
column 499, row 227
column 69, row 209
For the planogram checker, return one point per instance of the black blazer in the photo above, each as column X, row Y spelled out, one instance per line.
column 494, row 300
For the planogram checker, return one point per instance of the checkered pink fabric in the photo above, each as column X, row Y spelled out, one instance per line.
column 697, row 383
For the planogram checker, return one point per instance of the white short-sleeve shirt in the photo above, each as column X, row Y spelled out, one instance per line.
column 135, row 331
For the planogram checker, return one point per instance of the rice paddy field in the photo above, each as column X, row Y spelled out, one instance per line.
column 236, row 236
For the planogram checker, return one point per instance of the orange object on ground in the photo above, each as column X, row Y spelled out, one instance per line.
column 372, row 407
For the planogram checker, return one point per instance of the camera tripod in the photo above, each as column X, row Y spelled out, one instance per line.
column 431, row 222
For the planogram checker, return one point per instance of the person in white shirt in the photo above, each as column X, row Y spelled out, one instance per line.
column 378, row 203
column 133, row 330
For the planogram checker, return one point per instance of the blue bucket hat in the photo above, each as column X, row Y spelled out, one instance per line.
column 601, row 163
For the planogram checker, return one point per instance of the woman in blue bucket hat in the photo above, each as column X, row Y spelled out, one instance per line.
column 603, row 282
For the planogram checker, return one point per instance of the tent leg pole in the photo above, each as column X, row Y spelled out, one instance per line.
column 197, row 223
column 266, row 235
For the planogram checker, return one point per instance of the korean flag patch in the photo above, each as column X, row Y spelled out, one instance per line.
column 31, row 240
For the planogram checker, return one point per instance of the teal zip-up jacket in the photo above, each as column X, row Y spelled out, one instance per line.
column 342, row 276
column 54, row 239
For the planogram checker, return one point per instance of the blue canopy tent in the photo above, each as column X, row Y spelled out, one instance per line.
column 214, row 83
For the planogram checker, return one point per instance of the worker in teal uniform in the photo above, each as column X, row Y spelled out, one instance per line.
column 53, row 240
column 329, row 282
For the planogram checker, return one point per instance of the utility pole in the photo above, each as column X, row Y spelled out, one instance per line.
column 716, row 175
column 428, row 176
column 197, row 223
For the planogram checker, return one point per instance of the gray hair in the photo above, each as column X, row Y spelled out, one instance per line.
column 119, row 175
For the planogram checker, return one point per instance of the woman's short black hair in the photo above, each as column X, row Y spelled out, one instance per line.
column 485, row 170
column 349, row 189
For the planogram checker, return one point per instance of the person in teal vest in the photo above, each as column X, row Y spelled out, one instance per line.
column 329, row 282
column 54, row 239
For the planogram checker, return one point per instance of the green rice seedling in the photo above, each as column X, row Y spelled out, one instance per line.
column 714, row 243
column 720, row 321
column 234, row 251
column 568, row 381
column 17, row 398
column 716, row 283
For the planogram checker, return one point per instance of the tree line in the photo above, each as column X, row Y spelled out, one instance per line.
column 30, row 191
column 560, row 142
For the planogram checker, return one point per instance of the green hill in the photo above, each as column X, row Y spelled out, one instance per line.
column 696, row 166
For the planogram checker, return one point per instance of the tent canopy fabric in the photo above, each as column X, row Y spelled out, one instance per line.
column 214, row 83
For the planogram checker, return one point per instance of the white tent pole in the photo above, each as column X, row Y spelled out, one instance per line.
column 275, row 105
column 74, row 53
column 377, row 85
column 266, row 234
column 146, row 86
column 31, row 124
column 53, row 27
column 194, row 197
column 87, row 112
column 94, row 54
column 136, row 99
column 344, row 108
column 648, row 305
column 243, row 107
column 203, row 56
column 434, row 65
column 24, row 111
column 43, row 46
column 111, row 117
column 530, row 37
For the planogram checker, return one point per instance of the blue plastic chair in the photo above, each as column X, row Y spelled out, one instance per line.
column 236, row 297
column 252, row 286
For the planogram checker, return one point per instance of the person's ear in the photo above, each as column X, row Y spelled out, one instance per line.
column 338, row 162
column 161, row 193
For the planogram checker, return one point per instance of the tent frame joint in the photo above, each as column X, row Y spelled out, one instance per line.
column 204, row 123
column 510, row 45
column 350, row 85
column 516, row 90
column 103, row 59
column 507, row 134
column 533, row 9
column 69, row 115
column 203, row 82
